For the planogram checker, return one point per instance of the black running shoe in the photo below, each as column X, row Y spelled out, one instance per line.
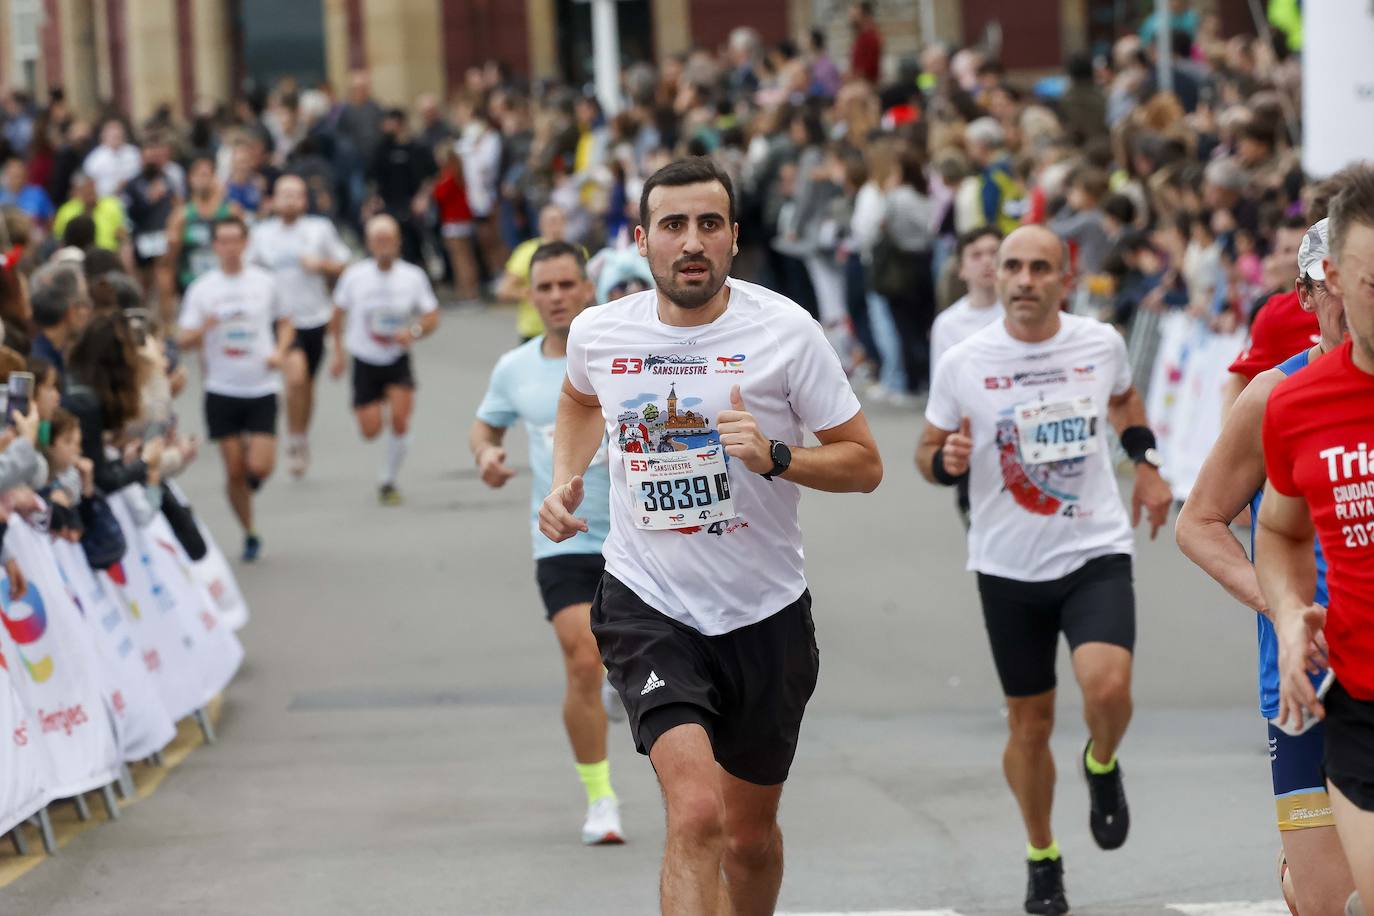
column 1045, row 887
column 1110, row 818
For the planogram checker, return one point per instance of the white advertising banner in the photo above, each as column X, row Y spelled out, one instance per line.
column 164, row 636
column 214, row 571
column 218, row 651
column 1337, row 84
column 24, row 764
column 56, row 668
column 141, row 722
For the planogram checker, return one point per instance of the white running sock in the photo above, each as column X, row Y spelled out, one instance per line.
column 295, row 441
column 396, row 449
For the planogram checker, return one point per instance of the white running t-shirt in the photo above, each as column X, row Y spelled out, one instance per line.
column 661, row 388
column 246, row 308
column 278, row 247
column 1035, row 516
column 958, row 322
column 381, row 304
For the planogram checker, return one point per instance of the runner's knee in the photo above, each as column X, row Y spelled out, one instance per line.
column 753, row 845
column 696, row 813
column 1030, row 725
column 584, row 669
column 1108, row 688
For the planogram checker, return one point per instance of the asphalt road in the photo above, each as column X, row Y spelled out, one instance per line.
column 393, row 745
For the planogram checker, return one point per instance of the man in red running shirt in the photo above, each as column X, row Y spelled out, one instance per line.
column 1318, row 433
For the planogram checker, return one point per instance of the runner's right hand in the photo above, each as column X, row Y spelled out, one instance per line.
column 336, row 367
column 491, row 466
column 556, row 519
column 957, row 449
column 1299, row 652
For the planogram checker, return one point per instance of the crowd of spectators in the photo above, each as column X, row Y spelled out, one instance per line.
column 856, row 177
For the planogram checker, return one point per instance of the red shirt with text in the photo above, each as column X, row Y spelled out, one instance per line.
column 1319, row 445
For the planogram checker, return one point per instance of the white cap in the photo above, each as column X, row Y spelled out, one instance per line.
column 1312, row 251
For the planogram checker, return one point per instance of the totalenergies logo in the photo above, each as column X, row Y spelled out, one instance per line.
column 26, row 619
column 730, row 364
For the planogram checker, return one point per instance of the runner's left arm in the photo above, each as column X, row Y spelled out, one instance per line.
column 1152, row 492
column 1233, row 471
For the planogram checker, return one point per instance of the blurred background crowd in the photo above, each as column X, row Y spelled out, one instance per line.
column 857, row 174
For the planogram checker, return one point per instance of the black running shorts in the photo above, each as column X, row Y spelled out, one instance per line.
column 1350, row 746
column 371, row 382
column 568, row 579
column 1094, row 603
column 747, row 688
column 227, row 416
column 310, row 341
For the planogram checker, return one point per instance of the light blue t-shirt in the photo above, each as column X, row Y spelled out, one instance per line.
column 525, row 386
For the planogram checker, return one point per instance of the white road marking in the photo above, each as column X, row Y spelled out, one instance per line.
column 1234, row 908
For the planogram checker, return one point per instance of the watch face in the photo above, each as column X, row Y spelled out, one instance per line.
column 781, row 453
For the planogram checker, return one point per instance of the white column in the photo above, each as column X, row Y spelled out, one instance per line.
column 606, row 55
column 1164, row 46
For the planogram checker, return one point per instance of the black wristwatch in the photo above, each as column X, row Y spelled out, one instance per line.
column 782, row 458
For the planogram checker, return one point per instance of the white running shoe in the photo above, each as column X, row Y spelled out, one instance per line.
column 615, row 710
column 298, row 459
column 602, row 826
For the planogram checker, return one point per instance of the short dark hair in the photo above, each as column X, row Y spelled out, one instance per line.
column 1354, row 203
column 550, row 250
column 1120, row 208
column 692, row 170
column 973, row 235
column 230, row 220
column 63, row 421
column 80, row 232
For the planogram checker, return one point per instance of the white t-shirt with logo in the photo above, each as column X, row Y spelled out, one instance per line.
column 246, row 308
column 661, row 389
column 1042, row 490
column 278, row 247
column 380, row 304
column 958, row 322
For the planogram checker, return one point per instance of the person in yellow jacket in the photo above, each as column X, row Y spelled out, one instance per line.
column 515, row 282
column 106, row 212
column 1286, row 16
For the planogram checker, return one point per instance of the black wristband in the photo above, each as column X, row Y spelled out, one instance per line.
column 1136, row 441
column 937, row 470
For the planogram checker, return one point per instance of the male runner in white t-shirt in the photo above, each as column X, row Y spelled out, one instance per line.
column 388, row 305
column 706, row 387
column 304, row 254
column 1022, row 408
column 236, row 316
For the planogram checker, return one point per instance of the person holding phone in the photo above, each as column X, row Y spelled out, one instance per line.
column 235, row 316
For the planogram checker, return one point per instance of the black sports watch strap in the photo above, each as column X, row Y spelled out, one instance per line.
column 781, row 454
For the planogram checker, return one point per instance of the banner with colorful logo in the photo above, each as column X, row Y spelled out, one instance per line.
column 141, row 722
column 55, row 667
column 218, row 651
column 163, row 635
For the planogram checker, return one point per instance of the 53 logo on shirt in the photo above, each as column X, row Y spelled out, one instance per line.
column 626, row 365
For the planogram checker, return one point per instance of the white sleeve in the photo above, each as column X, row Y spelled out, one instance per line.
column 817, row 388
column 425, row 300
column 939, row 339
column 279, row 307
column 1121, row 374
column 333, row 245
column 342, row 288
column 579, row 375
column 192, row 317
column 943, row 409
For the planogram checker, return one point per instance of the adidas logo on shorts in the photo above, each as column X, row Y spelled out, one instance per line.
column 653, row 683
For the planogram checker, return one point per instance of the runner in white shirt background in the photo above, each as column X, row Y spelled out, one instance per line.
column 234, row 315
column 1022, row 408
column 387, row 305
column 980, row 307
column 304, row 254
column 705, row 388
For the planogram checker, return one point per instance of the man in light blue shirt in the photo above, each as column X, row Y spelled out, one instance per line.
column 525, row 386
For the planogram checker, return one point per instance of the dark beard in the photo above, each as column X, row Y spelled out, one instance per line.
column 691, row 297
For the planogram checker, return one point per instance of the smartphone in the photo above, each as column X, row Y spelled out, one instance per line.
column 139, row 321
column 19, row 390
